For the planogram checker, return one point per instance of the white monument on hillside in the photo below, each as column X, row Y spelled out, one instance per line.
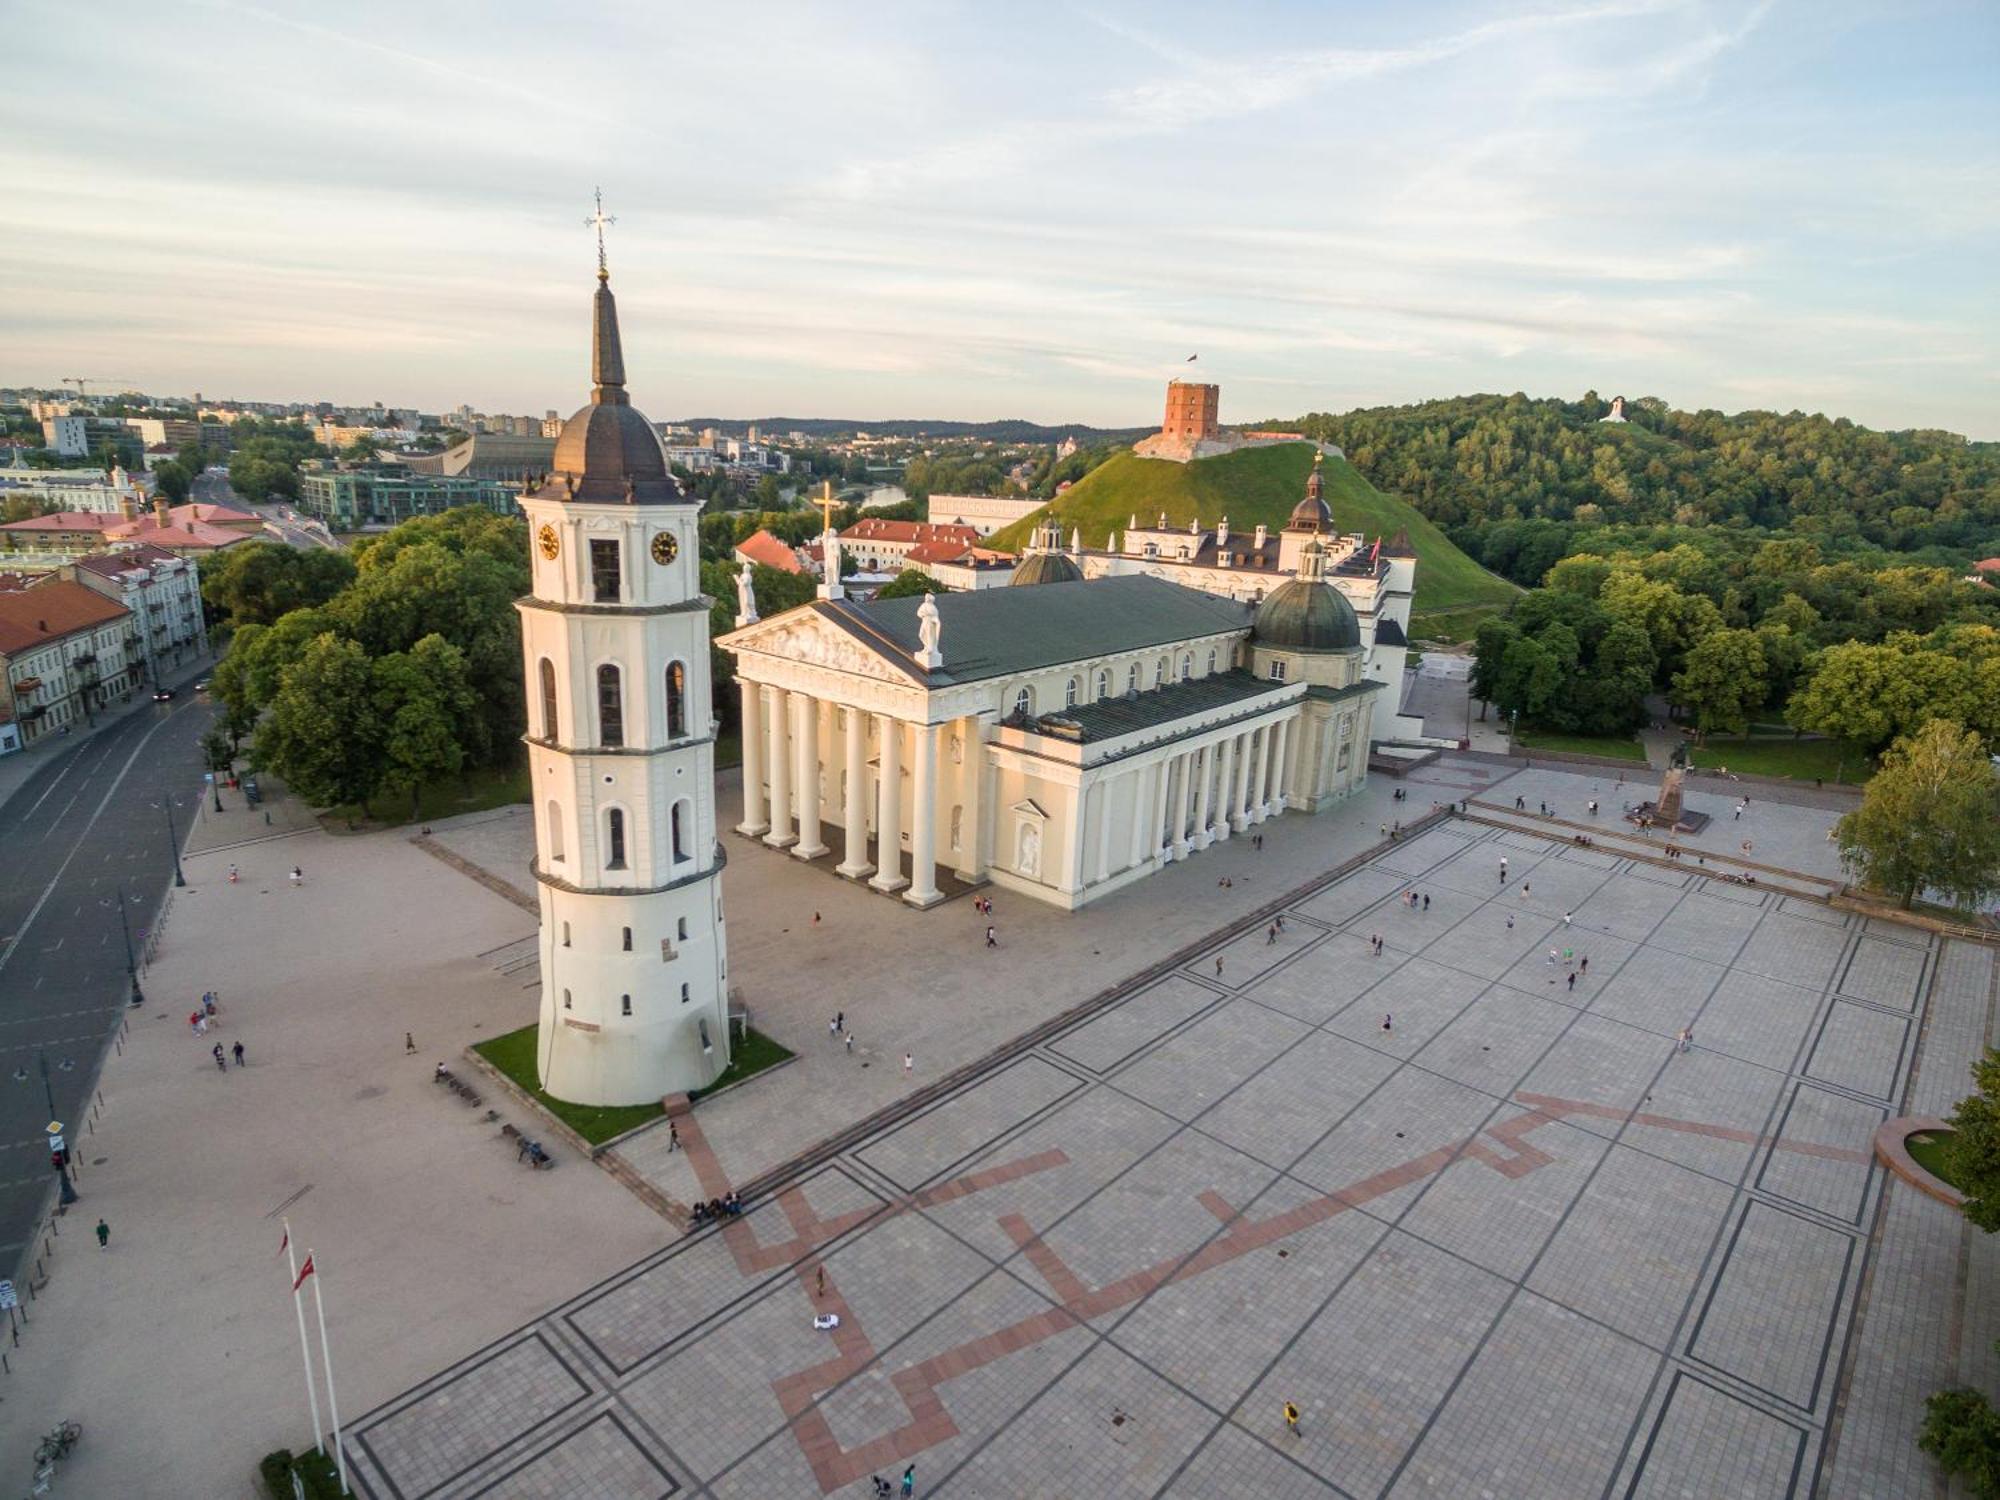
column 622, row 754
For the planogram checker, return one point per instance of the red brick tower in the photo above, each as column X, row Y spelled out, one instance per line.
column 1191, row 411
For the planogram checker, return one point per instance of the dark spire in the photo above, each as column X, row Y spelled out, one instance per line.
column 607, row 359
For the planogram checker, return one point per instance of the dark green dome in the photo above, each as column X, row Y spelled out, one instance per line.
column 1046, row 567
column 1307, row 614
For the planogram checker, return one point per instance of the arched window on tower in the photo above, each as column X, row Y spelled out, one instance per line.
column 681, row 817
column 1187, row 666
column 1104, row 682
column 1132, row 678
column 551, row 724
column 1211, row 659
column 1024, row 702
column 610, row 708
column 1160, row 673
column 555, row 831
column 614, row 840
column 1069, row 693
column 676, row 700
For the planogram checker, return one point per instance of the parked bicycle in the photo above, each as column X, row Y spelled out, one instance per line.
column 56, row 1445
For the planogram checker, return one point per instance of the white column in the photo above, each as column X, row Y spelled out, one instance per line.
column 1163, row 775
column 923, row 889
column 1105, row 797
column 1225, row 776
column 1183, row 798
column 1278, row 752
column 972, row 797
column 1260, row 752
column 779, row 709
column 889, row 810
column 855, row 808
column 752, row 731
column 1239, row 793
column 1203, row 834
column 805, row 743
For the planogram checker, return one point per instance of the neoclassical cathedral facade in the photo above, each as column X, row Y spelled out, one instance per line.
column 1061, row 737
column 621, row 750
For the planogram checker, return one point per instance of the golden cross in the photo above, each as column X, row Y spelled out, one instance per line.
column 826, row 502
column 599, row 220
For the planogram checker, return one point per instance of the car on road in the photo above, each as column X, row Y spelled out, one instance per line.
column 163, row 695
column 202, row 686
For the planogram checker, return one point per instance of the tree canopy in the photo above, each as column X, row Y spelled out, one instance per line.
column 1930, row 819
column 909, row 581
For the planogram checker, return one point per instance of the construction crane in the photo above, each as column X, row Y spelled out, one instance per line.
column 84, row 382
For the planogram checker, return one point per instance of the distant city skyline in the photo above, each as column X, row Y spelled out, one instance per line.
column 931, row 212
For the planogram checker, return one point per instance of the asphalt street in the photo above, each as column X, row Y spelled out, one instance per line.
column 89, row 823
column 213, row 489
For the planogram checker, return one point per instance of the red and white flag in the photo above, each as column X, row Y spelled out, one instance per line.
column 304, row 1271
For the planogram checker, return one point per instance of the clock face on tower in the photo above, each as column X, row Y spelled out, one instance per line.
column 666, row 547
column 548, row 541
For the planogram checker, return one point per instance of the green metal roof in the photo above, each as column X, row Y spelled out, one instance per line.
column 1108, row 718
column 1000, row 632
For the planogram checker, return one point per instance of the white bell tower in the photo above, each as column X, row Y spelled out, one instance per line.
column 622, row 752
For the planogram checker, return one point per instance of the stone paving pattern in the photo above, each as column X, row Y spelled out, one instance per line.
column 1516, row 1243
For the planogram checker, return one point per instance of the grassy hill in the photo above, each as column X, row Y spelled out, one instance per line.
column 1261, row 485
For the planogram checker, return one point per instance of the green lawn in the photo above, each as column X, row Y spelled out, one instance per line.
column 1926, row 1149
column 752, row 1055
column 514, row 1055
column 476, row 791
column 1625, row 748
column 1802, row 760
column 1260, row 486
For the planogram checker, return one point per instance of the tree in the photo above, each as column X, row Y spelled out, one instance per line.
column 1962, row 1432
column 1724, row 680
column 910, row 581
column 1930, row 819
column 261, row 583
column 1972, row 1151
column 173, row 481
column 323, row 735
column 1489, row 651
column 429, row 715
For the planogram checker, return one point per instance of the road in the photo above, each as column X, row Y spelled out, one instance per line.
column 213, row 489
column 86, row 823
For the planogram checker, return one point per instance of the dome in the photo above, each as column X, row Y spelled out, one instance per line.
column 1045, row 567
column 1311, row 513
column 608, row 452
column 1307, row 614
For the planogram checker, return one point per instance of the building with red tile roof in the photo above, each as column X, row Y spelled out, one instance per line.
column 879, row 545
column 65, row 650
column 763, row 548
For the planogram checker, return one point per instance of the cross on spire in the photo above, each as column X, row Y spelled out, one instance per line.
column 597, row 221
column 825, row 502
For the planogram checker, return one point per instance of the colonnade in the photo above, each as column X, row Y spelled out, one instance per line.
column 1209, row 791
column 781, row 733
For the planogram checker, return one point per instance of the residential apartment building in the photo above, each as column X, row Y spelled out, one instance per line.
column 164, row 595
column 72, row 489
column 65, row 651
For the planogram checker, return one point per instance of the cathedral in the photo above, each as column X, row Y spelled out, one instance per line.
column 621, row 751
column 1061, row 737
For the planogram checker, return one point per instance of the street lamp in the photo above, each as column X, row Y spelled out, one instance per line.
column 131, row 962
column 57, row 1157
column 173, row 837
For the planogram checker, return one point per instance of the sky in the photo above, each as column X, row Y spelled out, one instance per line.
column 974, row 211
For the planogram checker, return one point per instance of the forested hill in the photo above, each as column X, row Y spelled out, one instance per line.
column 1473, row 461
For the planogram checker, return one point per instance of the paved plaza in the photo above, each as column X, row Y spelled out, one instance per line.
column 1493, row 1232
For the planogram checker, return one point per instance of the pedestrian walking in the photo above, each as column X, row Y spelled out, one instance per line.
column 1386, row 1022
column 298, row 877
column 103, row 1235
column 1526, row 886
column 1566, row 917
column 1510, row 921
column 909, row 1064
column 819, row 1282
column 849, row 1040
column 238, row 1051
column 909, row 1481
column 1279, row 922
column 840, row 1021
column 1427, row 901
column 1291, row 1419
column 1271, row 936
column 208, row 1003
column 833, row 1026
column 1552, row 958
column 232, row 874
column 1737, row 815
column 409, row 1043
column 1583, row 966
column 1572, row 980
column 991, row 941
column 1218, row 966
column 1681, row 1041
column 815, row 919
column 673, row 1138
column 1520, row 804
column 221, row 1062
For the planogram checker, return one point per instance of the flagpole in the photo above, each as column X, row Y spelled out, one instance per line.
column 326, row 1354
column 305, row 1349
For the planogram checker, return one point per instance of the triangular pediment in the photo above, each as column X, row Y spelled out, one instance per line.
column 1029, row 807
column 804, row 635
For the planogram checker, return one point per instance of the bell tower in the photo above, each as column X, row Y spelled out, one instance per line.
column 621, row 750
